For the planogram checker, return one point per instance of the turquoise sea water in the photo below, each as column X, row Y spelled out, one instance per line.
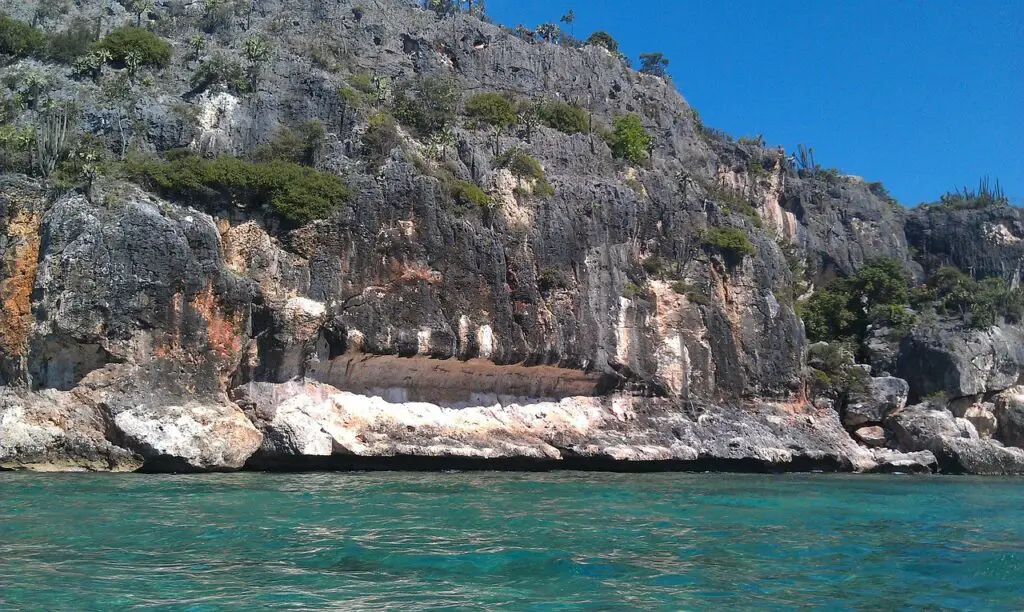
column 509, row 540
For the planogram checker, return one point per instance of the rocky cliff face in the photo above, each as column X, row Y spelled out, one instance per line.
column 595, row 326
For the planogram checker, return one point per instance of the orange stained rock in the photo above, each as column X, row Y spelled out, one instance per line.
column 18, row 279
column 222, row 335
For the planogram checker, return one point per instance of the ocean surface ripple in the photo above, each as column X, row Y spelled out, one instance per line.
column 526, row 541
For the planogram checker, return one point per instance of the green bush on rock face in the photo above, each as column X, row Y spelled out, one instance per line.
column 981, row 303
column 832, row 370
column 150, row 49
column 491, row 108
column 381, row 137
column 298, row 194
column 18, row 39
column 628, row 139
column 428, row 106
column 840, row 311
column 564, row 117
column 220, row 70
column 301, row 145
column 468, row 194
column 521, row 164
column 69, row 44
column 732, row 240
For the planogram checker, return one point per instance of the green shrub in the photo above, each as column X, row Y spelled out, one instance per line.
column 150, row 49
column 301, row 145
column 492, row 108
column 879, row 190
column 628, row 139
column 18, row 39
column 381, row 137
column 654, row 63
column 427, row 106
column 733, row 200
column 521, row 164
column 564, row 117
column 217, row 15
column 550, row 279
column 827, row 315
column 832, row 370
column 17, row 144
column 987, row 195
column 631, row 291
column 692, row 293
column 654, row 266
column 360, row 90
column 543, row 189
column 755, row 167
column 468, row 194
column 731, row 240
column 980, row 303
column 603, row 39
column 840, row 310
column 829, row 174
column 220, row 70
column 363, row 82
column 69, row 44
column 47, row 10
column 297, row 194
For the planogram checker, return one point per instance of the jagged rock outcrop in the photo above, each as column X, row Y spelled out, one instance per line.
column 945, row 358
column 871, row 435
column 58, row 430
column 984, row 242
column 871, row 406
column 978, row 413
column 844, row 225
column 894, row 462
column 1009, row 414
column 192, row 437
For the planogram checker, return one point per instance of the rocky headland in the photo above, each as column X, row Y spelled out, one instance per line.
column 310, row 234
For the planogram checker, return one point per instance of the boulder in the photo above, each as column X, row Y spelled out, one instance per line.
column 881, row 351
column 954, row 442
column 55, row 430
column 893, row 462
column 194, row 437
column 1009, row 412
column 884, row 395
column 982, row 417
column 872, row 435
column 948, row 358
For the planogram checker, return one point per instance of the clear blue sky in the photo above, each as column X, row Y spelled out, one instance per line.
column 924, row 95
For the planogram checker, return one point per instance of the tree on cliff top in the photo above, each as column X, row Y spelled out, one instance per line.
column 654, row 63
column 604, row 39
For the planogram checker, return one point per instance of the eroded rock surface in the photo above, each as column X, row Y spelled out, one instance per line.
column 192, row 437
column 308, row 420
column 57, row 430
column 946, row 359
column 953, row 441
column 883, row 396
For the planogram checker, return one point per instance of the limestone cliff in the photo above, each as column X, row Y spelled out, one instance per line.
column 585, row 317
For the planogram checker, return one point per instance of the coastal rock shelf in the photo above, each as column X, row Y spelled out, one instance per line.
column 309, row 425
